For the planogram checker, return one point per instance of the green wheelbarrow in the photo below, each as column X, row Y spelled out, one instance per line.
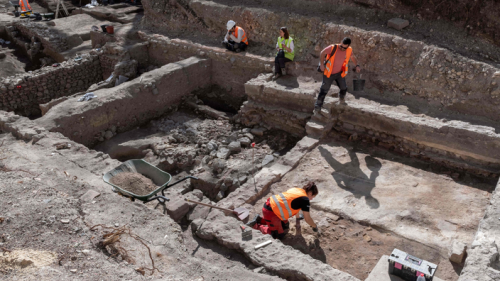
column 159, row 177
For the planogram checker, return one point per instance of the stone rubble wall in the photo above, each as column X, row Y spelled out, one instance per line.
column 229, row 70
column 395, row 69
column 24, row 92
column 456, row 144
column 482, row 261
column 128, row 105
column 277, row 106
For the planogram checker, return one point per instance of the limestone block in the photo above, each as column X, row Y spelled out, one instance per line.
column 89, row 195
column 223, row 153
column 177, row 209
column 457, row 252
column 398, row 23
column 234, row 147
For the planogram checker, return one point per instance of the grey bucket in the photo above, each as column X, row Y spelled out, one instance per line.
column 358, row 84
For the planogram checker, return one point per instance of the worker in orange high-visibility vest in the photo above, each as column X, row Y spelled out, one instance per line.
column 236, row 38
column 25, row 6
column 333, row 62
column 281, row 207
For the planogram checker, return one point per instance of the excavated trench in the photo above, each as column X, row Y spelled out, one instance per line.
column 390, row 176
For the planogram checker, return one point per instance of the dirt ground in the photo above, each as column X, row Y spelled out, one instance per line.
column 364, row 185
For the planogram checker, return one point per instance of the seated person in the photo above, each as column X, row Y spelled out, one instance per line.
column 236, row 38
column 286, row 53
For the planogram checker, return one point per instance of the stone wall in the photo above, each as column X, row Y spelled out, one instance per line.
column 128, row 105
column 287, row 104
column 482, row 261
column 409, row 72
column 24, row 92
column 229, row 70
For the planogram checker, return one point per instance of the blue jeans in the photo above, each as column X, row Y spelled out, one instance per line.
column 327, row 84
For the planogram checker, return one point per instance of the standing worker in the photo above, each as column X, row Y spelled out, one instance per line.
column 286, row 53
column 334, row 61
column 25, row 6
column 236, row 38
column 279, row 208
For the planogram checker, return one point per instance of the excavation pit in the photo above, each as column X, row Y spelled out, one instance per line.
column 371, row 201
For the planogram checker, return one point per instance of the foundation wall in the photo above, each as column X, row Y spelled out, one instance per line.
column 130, row 104
column 456, row 144
column 24, row 92
column 395, row 69
column 229, row 70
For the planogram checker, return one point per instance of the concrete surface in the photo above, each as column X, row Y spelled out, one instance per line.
column 380, row 272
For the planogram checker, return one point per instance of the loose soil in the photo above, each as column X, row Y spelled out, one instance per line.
column 134, row 182
column 356, row 249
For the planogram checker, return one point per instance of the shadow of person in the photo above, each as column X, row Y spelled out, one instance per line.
column 290, row 82
column 350, row 177
column 310, row 247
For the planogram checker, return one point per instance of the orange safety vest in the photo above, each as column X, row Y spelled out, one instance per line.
column 329, row 62
column 244, row 37
column 25, row 5
column 282, row 203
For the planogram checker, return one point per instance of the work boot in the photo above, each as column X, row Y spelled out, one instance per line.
column 316, row 110
column 256, row 220
column 342, row 101
column 276, row 76
column 283, row 71
column 238, row 50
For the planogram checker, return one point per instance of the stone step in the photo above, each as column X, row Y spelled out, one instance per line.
column 315, row 128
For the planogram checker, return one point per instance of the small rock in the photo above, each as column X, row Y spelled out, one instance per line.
column 117, row 224
column 73, row 270
column 65, row 221
column 258, row 131
column 245, row 141
column 234, row 147
column 368, row 229
column 212, row 145
column 457, row 252
column 367, row 238
column 223, row 153
column 398, row 23
column 220, row 195
column 267, row 159
column 342, row 226
column 89, row 195
column 108, row 135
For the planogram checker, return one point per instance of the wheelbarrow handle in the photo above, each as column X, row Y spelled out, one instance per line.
column 208, row 205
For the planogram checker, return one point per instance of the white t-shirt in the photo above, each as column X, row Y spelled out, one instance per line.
column 290, row 44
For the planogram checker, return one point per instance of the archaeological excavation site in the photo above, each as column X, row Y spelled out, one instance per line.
column 188, row 140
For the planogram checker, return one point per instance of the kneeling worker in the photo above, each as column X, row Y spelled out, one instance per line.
column 236, row 38
column 279, row 208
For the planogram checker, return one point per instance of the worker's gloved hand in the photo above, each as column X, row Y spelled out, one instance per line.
column 315, row 229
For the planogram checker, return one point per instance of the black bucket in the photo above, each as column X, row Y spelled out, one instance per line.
column 358, row 84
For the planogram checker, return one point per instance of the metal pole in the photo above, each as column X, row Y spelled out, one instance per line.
column 253, row 161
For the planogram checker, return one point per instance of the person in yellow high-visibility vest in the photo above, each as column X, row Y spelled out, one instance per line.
column 25, row 6
column 281, row 207
column 286, row 52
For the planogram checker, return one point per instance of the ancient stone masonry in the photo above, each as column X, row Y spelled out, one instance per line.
column 24, row 92
column 239, row 67
column 128, row 105
column 409, row 71
column 451, row 143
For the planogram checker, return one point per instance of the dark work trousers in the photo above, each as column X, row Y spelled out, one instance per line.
column 232, row 46
column 327, row 84
column 279, row 62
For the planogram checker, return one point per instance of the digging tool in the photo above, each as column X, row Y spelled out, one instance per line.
column 247, row 233
column 241, row 213
column 253, row 161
